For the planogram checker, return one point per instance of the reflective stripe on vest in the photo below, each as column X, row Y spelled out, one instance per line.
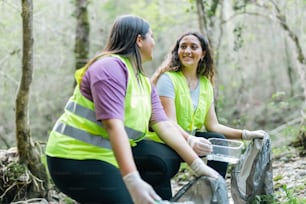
column 79, row 110
column 90, row 115
column 84, row 136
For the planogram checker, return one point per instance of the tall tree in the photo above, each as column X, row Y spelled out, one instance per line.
column 205, row 15
column 299, row 50
column 82, row 34
column 27, row 151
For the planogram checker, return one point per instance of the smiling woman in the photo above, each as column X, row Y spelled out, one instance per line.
column 185, row 85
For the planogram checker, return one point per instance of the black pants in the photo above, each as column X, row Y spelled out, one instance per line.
column 220, row 167
column 94, row 181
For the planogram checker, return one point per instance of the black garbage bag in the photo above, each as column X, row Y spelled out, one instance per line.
column 253, row 176
column 203, row 190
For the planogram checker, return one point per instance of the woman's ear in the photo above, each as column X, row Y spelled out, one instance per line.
column 139, row 40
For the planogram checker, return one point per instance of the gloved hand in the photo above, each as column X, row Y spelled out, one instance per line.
column 249, row 135
column 201, row 169
column 140, row 191
column 200, row 145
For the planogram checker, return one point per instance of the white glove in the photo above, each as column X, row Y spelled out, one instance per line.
column 201, row 169
column 140, row 191
column 200, row 145
column 249, row 135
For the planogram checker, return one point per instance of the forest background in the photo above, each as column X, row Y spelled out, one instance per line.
column 258, row 46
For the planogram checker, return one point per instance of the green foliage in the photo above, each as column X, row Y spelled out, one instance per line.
column 263, row 199
column 68, row 200
column 290, row 196
column 277, row 178
column 113, row 9
column 15, row 171
column 279, row 150
column 156, row 12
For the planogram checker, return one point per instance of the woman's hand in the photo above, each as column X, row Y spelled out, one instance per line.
column 249, row 135
column 201, row 169
column 200, row 145
column 140, row 191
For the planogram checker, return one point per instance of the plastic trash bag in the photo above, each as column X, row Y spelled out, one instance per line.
column 203, row 190
column 253, row 175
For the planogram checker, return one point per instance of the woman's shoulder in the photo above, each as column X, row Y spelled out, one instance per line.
column 110, row 61
column 107, row 64
column 164, row 77
column 163, row 81
column 174, row 75
column 107, row 68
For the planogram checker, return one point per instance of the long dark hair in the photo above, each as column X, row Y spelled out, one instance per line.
column 122, row 39
column 172, row 62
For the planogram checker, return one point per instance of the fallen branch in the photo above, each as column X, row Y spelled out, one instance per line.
column 280, row 128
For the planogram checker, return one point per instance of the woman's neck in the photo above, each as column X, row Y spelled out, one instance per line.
column 191, row 78
column 190, row 74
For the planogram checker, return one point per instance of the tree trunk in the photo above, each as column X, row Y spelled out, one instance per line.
column 300, row 67
column 27, row 151
column 82, row 34
column 301, row 57
column 206, row 27
column 205, row 19
column 201, row 17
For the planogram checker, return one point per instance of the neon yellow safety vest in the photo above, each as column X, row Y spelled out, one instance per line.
column 78, row 135
column 188, row 118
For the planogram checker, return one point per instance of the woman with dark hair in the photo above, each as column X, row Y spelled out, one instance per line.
column 97, row 152
column 184, row 83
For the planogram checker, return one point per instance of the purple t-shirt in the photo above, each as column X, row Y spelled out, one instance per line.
column 105, row 83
